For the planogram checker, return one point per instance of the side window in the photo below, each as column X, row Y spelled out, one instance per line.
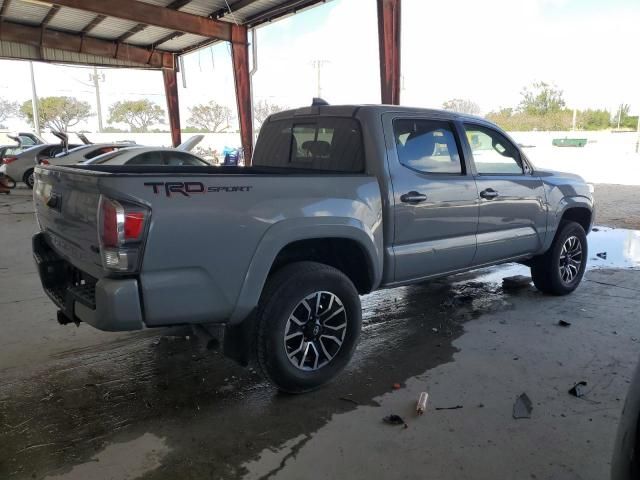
column 428, row 146
column 493, row 154
column 148, row 158
column 175, row 158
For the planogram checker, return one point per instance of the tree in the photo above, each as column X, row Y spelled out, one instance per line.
column 541, row 98
column 262, row 110
column 8, row 109
column 138, row 114
column 210, row 117
column 57, row 113
column 593, row 119
column 461, row 105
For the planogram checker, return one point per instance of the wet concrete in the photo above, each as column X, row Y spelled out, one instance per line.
column 76, row 403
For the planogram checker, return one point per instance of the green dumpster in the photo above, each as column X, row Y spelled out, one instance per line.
column 569, row 142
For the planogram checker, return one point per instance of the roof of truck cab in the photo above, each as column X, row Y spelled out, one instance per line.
column 352, row 110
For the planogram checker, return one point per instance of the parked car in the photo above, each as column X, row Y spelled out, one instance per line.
column 24, row 140
column 19, row 167
column 84, row 153
column 148, row 156
column 340, row 201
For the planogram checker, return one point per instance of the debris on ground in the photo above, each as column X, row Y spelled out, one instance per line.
column 564, row 323
column 449, row 408
column 434, row 330
column 351, row 400
column 595, row 229
column 394, row 419
column 578, row 389
column 516, row 282
column 602, row 255
column 421, row 406
column 396, row 386
column 523, row 407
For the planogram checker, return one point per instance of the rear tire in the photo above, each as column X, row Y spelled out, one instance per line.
column 560, row 270
column 28, row 178
column 309, row 320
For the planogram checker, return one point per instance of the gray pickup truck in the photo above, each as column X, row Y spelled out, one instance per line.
column 340, row 201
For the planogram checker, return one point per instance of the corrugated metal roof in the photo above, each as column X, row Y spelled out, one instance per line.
column 33, row 12
column 25, row 12
column 111, row 28
column 149, row 36
column 185, row 41
column 70, row 19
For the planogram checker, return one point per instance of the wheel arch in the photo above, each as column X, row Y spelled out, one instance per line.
column 342, row 243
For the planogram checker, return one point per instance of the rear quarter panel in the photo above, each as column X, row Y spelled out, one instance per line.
column 207, row 254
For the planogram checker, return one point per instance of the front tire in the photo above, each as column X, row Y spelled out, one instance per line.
column 28, row 178
column 560, row 270
column 309, row 321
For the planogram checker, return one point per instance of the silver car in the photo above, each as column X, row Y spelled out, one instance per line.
column 20, row 166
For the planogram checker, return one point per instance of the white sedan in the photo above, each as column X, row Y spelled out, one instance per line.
column 143, row 156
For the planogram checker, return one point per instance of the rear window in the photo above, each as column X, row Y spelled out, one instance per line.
column 325, row 143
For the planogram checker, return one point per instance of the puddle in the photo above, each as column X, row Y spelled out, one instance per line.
column 621, row 246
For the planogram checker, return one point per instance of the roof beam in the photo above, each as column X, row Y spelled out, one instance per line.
column 46, row 38
column 166, row 38
column 49, row 16
column 93, row 23
column 235, row 6
column 4, row 8
column 175, row 5
column 149, row 14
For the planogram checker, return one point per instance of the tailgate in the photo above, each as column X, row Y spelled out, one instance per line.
column 66, row 205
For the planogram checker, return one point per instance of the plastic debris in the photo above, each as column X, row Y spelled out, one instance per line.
column 396, row 386
column 394, row 419
column 578, row 389
column 523, row 407
column 564, row 323
column 516, row 282
column 602, row 255
column 422, row 403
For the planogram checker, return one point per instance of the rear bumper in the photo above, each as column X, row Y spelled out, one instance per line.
column 106, row 304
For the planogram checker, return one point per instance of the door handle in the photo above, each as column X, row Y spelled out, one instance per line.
column 413, row 197
column 489, row 194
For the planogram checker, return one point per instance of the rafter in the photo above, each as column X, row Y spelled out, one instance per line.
column 4, row 8
column 49, row 16
column 238, row 5
column 48, row 38
column 176, row 5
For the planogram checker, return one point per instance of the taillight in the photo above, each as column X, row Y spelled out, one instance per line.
column 44, row 161
column 121, row 230
column 8, row 160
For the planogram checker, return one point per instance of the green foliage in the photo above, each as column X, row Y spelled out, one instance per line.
column 114, row 130
column 461, row 105
column 593, row 119
column 210, row 117
column 57, row 113
column 8, row 109
column 522, row 121
column 194, row 130
column 138, row 114
column 541, row 98
column 626, row 121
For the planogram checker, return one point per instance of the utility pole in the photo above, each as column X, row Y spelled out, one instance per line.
column 318, row 66
column 96, row 79
column 34, row 101
column 619, row 115
column 573, row 123
column 638, row 135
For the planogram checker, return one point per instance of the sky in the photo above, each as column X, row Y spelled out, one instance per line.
column 483, row 51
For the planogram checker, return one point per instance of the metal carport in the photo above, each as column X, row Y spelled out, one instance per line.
column 154, row 33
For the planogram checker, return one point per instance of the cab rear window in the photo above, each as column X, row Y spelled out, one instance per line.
column 326, row 143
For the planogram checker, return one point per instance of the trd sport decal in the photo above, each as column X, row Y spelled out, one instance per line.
column 190, row 188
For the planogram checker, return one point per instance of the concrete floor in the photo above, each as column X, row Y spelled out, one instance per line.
column 76, row 403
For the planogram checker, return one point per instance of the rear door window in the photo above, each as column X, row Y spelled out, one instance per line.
column 325, row 143
column 427, row 146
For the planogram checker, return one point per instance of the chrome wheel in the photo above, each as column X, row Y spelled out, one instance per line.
column 570, row 259
column 315, row 331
